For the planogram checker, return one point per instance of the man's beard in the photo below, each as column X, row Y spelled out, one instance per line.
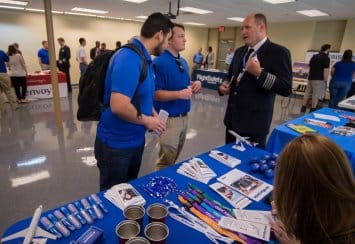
column 158, row 50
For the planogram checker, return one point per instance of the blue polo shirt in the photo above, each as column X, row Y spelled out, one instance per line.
column 171, row 76
column 198, row 58
column 344, row 72
column 123, row 76
column 43, row 55
column 3, row 58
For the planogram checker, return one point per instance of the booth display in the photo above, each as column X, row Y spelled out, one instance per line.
column 39, row 85
column 210, row 78
column 175, row 191
column 348, row 103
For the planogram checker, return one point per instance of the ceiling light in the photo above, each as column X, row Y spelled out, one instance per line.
column 312, row 13
column 193, row 23
column 142, row 17
column 135, row 1
column 195, row 10
column 80, row 14
column 88, row 10
column 14, row 2
column 35, row 10
column 238, row 19
column 11, row 7
column 279, row 1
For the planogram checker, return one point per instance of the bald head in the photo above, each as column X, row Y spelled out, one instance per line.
column 254, row 29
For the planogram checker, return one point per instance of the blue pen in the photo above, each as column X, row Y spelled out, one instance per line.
column 71, row 218
column 88, row 208
column 50, row 227
column 64, row 230
column 99, row 202
column 205, row 206
column 64, row 220
column 76, row 213
column 85, row 214
column 96, row 209
column 212, row 205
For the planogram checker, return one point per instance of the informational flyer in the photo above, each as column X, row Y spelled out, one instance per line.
column 246, row 184
column 224, row 158
column 234, row 198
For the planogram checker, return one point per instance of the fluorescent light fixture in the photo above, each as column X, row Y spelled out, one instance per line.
column 11, row 7
column 87, row 10
column 313, row 13
column 195, row 10
column 80, row 14
column 238, row 19
column 34, row 10
column 22, row 3
column 279, row 1
column 141, row 17
column 33, row 161
column 193, row 23
column 30, row 178
column 135, row 1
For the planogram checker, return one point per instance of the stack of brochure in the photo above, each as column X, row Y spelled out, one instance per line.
column 197, row 169
column 233, row 197
column 123, row 195
column 224, row 158
column 249, row 222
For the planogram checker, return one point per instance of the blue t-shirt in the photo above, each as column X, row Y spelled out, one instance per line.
column 123, row 76
column 198, row 58
column 43, row 55
column 343, row 72
column 3, row 58
column 171, row 74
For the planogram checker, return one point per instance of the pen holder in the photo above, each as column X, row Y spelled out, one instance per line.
column 157, row 212
column 156, row 232
column 134, row 212
column 138, row 240
column 127, row 229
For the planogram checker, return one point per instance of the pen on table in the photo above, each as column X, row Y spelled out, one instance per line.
column 199, row 208
column 205, row 206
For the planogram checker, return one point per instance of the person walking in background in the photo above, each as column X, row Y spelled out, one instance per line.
column 173, row 90
column 95, row 50
column 43, row 56
column 64, row 61
column 317, row 78
column 342, row 76
column 120, row 136
column 209, row 59
column 81, row 56
column 229, row 58
column 103, row 48
column 5, row 84
column 314, row 193
column 197, row 60
column 18, row 73
column 255, row 81
column 118, row 45
column 17, row 46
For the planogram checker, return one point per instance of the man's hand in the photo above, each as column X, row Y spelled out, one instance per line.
column 154, row 123
column 224, row 89
column 196, row 86
column 185, row 94
column 253, row 67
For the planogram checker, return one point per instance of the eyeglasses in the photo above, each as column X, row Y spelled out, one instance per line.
column 178, row 62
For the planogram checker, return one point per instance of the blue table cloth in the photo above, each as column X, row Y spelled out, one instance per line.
column 209, row 79
column 282, row 134
column 178, row 233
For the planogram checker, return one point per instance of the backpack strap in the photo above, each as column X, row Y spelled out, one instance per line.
column 142, row 77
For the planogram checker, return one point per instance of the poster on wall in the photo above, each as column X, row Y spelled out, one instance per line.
column 300, row 71
column 334, row 57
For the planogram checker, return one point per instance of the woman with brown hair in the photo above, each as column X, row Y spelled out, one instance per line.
column 314, row 193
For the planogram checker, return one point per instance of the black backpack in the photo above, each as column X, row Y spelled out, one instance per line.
column 92, row 86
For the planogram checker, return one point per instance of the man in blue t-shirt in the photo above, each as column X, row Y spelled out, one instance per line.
column 173, row 91
column 43, row 56
column 120, row 134
column 5, row 84
column 197, row 59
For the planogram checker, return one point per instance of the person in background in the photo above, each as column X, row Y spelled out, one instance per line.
column 103, row 48
column 18, row 73
column 95, row 50
column 317, row 78
column 64, row 61
column 5, row 84
column 314, row 193
column 229, row 57
column 118, row 45
column 342, row 76
column 259, row 70
column 173, row 90
column 17, row 46
column 197, row 60
column 209, row 59
column 120, row 136
column 43, row 56
column 81, row 56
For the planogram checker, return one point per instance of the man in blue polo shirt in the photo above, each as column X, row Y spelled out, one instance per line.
column 120, row 134
column 197, row 59
column 173, row 94
column 43, row 56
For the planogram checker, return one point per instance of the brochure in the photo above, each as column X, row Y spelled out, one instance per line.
column 196, row 169
column 302, row 129
column 233, row 197
column 123, row 195
column 224, row 158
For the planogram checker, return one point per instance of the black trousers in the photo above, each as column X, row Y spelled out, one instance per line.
column 66, row 70
column 20, row 85
column 259, row 139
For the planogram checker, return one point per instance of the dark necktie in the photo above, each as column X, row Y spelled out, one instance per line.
column 247, row 55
